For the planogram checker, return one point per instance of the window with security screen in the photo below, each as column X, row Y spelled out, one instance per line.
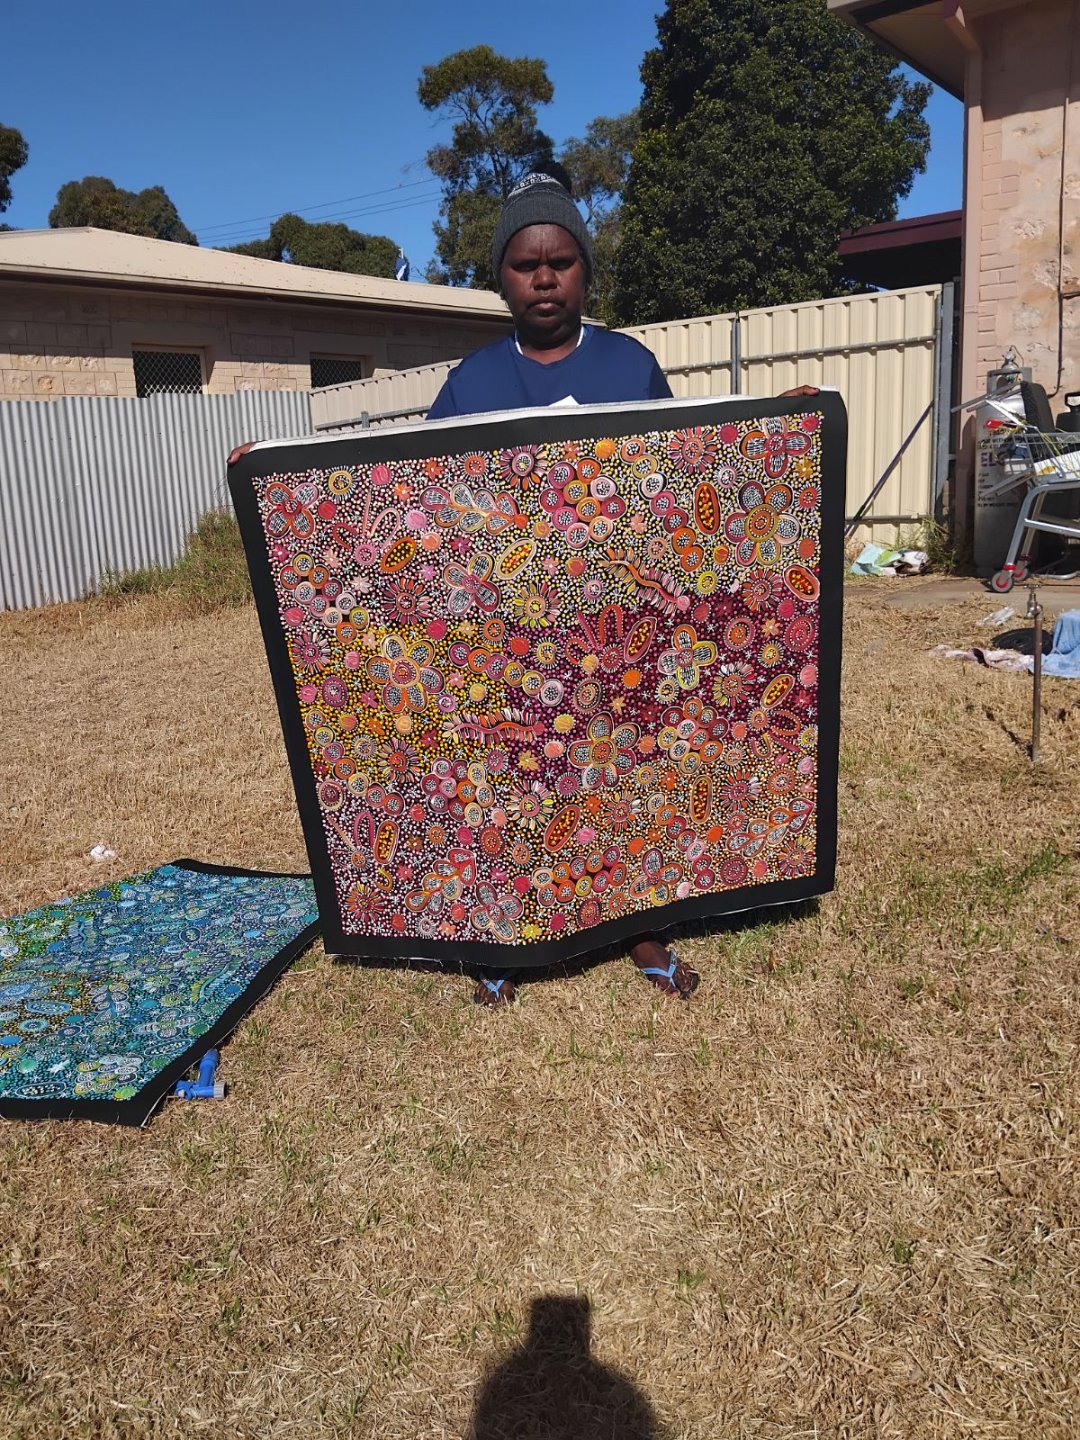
column 336, row 370
column 168, row 372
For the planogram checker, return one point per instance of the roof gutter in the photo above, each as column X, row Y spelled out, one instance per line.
column 864, row 16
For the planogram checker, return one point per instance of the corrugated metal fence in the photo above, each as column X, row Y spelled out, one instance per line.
column 92, row 486
column 883, row 352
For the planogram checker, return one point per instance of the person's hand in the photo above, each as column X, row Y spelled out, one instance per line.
column 234, row 455
column 799, row 390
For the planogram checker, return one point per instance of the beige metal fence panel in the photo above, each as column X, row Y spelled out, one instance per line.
column 877, row 350
column 695, row 355
column 401, row 398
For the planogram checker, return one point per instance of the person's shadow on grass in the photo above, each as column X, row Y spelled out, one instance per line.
column 551, row 1388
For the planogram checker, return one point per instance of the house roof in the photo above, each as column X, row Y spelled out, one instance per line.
column 923, row 250
column 937, row 38
column 914, row 31
column 84, row 255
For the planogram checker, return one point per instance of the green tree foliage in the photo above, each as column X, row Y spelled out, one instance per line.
column 324, row 246
column 14, row 153
column 767, row 127
column 495, row 141
column 260, row 249
column 98, row 201
column 597, row 166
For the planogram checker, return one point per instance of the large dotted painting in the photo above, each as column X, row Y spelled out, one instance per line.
column 107, row 999
column 556, row 680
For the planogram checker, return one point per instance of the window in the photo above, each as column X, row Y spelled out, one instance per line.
column 336, row 370
column 168, row 372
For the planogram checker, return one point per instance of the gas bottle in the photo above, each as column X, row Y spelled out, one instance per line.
column 996, row 458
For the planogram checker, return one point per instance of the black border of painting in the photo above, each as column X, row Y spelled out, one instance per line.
column 532, row 427
column 140, row 1107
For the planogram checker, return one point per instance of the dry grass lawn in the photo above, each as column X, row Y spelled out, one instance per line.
column 834, row 1196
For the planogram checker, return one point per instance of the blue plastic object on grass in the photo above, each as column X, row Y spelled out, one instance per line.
column 1064, row 658
column 206, row 1086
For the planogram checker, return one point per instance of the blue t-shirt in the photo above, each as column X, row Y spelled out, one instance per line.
column 605, row 369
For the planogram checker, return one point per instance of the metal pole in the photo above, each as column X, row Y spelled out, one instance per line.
column 944, row 394
column 939, row 311
column 856, row 519
column 736, row 355
column 1035, row 611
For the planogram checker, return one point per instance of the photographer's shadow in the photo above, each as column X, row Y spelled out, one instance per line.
column 551, row 1388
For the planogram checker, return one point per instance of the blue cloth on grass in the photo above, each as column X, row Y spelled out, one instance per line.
column 1064, row 658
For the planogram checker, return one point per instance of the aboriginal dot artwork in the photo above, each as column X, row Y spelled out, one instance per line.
column 106, row 999
column 550, row 691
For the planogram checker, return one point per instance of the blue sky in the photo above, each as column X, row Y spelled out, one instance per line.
column 243, row 110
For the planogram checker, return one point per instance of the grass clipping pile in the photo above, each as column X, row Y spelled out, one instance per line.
column 832, row 1196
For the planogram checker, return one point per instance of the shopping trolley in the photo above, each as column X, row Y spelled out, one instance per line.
column 1046, row 462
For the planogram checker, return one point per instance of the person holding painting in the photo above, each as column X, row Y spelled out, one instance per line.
column 542, row 255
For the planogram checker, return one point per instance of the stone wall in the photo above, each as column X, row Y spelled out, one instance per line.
column 1021, row 210
column 79, row 341
column 1027, row 231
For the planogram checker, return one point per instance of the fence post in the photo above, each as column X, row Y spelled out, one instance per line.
column 943, row 393
column 736, row 355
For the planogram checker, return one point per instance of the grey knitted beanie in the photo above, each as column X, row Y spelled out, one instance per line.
column 540, row 200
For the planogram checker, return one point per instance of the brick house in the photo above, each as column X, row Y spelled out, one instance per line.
column 1016, row 66
column 94, row 312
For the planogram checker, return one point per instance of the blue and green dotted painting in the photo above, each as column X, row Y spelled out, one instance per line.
column 107, row 999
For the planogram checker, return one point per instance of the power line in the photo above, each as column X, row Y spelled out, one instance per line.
column 307, row 209
column 333, row 217
column 239, row 235
column 368, row 210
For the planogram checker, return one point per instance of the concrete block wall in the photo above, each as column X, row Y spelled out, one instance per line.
column 1027, row 226
column 1022, row 209
column 58, row 341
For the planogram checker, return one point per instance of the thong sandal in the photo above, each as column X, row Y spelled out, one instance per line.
column 657, row 973
column 499, row 996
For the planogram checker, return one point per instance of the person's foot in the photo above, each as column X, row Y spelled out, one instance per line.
column 661, row 965
column 493, row 991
